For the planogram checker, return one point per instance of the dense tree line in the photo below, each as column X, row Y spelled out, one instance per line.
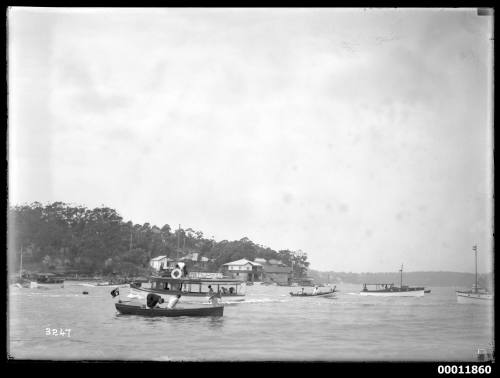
column 98, row 240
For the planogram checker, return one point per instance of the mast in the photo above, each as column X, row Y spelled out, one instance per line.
column 401, row 277
column 474, row 248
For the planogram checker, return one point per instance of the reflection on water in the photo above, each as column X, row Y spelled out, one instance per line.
column 270, row 324
column 216, row 322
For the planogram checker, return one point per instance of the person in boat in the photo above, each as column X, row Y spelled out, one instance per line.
column 315, row 291
column 210, row 290
column 302, row 291
column 231, row 290
column 173, row 302
column 214, row 299
column 154, row 300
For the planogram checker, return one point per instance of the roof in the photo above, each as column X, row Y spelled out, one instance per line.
column 277, row 269
column 243, row 262
column 275, row 262
column 157, row 258
column 197, row 280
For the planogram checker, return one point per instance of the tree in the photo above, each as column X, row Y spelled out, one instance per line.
column 96, row 240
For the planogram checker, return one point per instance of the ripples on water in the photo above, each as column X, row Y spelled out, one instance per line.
column 269, row 325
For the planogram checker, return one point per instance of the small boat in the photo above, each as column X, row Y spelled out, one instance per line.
column 477, row 294
column 46, row 281
column 319, row 294
column 199, row 310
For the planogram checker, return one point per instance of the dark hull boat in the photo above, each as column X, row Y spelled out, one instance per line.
column 128, row 309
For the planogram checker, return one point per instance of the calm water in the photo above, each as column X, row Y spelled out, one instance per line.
column 269, row 325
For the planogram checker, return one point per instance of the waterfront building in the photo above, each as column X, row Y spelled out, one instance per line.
column 158, row 262
column 275, row 271
column 243, row 269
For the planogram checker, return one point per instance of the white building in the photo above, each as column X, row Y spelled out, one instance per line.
column 244, row 269
column 158, row 262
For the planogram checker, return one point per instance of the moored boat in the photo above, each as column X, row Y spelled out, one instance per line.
column 477, row 294
column 46, row 281
column 480, row 296
column 390, row 290
column 200, row 310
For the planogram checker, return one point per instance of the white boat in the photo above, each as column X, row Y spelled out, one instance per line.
column 477, row 294
column 390, row 290
column 474, row 297
column 192, row 290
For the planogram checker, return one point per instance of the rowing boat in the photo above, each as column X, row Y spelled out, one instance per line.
column 209, row 310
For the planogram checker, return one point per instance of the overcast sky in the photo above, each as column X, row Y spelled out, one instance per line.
column 362, row 137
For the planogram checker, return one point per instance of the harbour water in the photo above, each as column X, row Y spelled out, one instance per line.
column 269, row 326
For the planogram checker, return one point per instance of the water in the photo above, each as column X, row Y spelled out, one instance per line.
column 269, row 326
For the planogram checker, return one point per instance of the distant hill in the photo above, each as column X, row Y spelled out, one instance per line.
column 456, row 279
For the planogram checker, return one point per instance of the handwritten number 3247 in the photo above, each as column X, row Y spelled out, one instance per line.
column 57, row 332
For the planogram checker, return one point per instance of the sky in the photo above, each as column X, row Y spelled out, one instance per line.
column 362, row 137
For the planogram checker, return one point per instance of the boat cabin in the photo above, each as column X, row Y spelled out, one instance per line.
column 48, row 278
column 378, row 287
column 227, row 287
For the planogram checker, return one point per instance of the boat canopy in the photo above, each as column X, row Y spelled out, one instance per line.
column 221, row 281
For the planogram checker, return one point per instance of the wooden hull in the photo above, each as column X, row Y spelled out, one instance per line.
column 127, row 309
column 137, row 292
column 479, row 298
column 409, row 293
